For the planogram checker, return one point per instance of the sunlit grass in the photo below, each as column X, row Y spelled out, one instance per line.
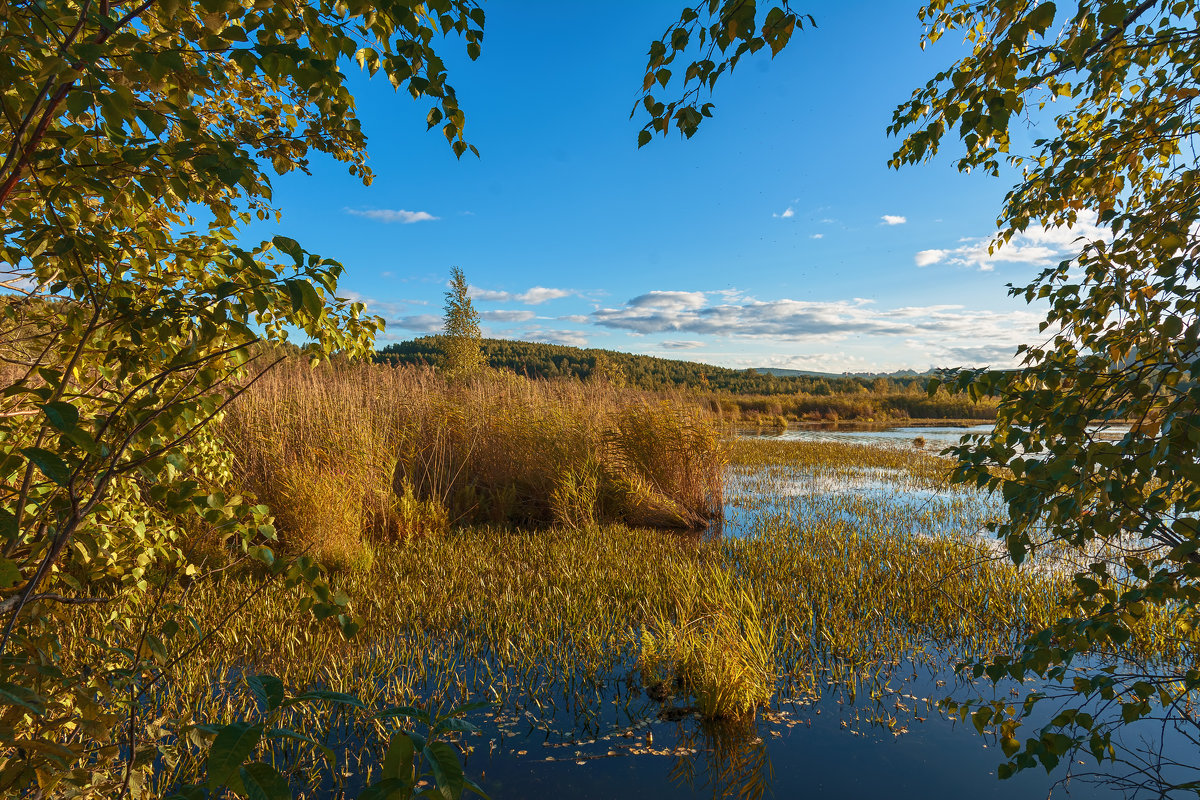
column 713, row 641
column 347, row 455
column 571, row 627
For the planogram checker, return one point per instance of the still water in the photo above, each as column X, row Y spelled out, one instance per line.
column 834, row 747
column 936, row 437
column 823, row 749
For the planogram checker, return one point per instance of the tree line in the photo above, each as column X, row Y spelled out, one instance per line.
column 547, row 361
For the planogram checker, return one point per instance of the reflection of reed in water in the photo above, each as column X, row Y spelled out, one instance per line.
column 728, row 758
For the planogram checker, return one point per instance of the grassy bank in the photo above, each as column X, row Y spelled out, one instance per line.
column 351, row 456
column 604, row 627
column 742, row 397
column 884, row 407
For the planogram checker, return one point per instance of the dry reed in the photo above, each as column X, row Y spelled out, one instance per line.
column 350, row 454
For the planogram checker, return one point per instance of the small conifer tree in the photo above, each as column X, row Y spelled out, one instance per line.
column 464, row 353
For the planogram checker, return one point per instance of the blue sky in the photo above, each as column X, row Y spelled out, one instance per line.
column 777, row 236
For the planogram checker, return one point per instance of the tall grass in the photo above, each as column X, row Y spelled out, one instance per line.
column 780, row 410
column 350, row 455
column 567, row 630
column 712, row 639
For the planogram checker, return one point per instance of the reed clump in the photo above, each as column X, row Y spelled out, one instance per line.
column 779, row 410
column 712, row 639
column 829, row 587
column 349, row 454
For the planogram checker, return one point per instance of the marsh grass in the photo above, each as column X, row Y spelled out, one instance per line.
column 568, row 630
column 346, row 455
column 778, row 411
column 713, row 641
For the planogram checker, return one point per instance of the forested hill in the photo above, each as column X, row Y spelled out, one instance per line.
column 539, row 360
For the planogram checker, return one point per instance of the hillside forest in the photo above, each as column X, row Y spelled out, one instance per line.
column 751, row 397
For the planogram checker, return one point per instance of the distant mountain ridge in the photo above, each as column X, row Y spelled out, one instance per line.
column 794, row 373
column 539, row 360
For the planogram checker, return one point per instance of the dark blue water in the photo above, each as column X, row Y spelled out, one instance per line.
column 606, row 738
column 824, row 749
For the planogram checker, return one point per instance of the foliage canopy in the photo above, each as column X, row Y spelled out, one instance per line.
column 138, row 137
column 461, row 327
column 1114, row 87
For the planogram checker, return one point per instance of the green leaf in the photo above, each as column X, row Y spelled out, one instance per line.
column 368, row 59
column 398, row 762
column 467, row 708
column 234, row 742
column 8, row 525
column 453, row 724
column 9, row 573
column 268, row 691
column 475, row 788
column 1111, row 13
column 447, row 771
column 338, row 698
column 349, row 625
column 62, row 416
column 304, row 297
column 13, row 695
column 262, row 782
column 386, row 789
column 291, row 247
column 50, row 464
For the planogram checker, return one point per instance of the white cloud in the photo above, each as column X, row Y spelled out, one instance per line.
column 669, row 300
column 938, row 331
column 393, row 215
column 787, row 213
column 979, row 354
column 726, row 326
column 397, row 315
column 489, row 296
column 893, row 219
column 1037, row 246
column 533, row 297
column 421, row 323
column 926, row 257
column 540, row 294
column 729, row 295
column 507, row 315
column 835, row 362
column 817, row 236
column 570, row 338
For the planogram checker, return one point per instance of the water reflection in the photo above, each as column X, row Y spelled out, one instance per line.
column 930, row 437
column 936, row 437
column 834, row 729
column 722, row 760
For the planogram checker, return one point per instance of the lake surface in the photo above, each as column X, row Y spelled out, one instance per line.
column 936, row 437
column 822, row 749
column 603, row 736
column 837, row 746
